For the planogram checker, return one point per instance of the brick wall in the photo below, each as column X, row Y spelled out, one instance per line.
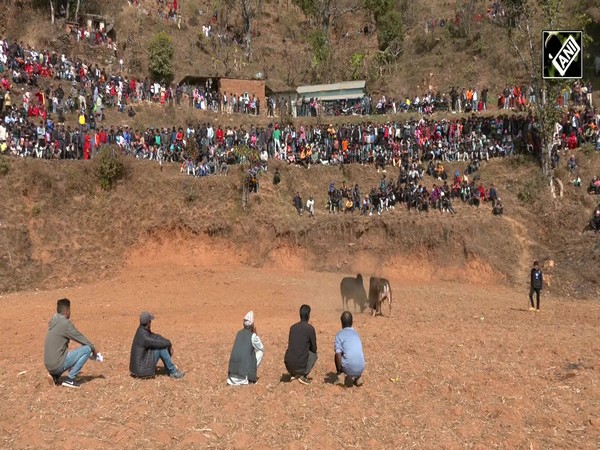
column 252, row 87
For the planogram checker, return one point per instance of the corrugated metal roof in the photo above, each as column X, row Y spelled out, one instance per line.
column 348, row 96
column 331, row 87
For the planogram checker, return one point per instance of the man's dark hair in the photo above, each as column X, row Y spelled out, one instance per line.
column 346, row 319
column 304, row 313
column 62, row 305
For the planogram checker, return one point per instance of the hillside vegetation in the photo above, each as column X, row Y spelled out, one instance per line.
column 471, row 49
column 58, row 227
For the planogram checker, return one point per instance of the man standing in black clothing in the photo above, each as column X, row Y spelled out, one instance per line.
column 537, row 280
column 301, row 354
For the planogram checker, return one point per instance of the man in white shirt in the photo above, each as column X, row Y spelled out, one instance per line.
column 210, row 134
column 310, row 206
column 246, row 355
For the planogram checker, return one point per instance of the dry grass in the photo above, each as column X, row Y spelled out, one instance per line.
column 463, row 366
column 72, row 231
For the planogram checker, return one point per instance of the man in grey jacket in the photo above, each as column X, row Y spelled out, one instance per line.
column 57, row 358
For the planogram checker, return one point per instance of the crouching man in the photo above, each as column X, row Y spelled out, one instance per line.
column 349, row 357
column 246, row 355
column 147, row 348
column 57, row 358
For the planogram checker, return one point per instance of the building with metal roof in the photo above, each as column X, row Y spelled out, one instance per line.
column 347, row 90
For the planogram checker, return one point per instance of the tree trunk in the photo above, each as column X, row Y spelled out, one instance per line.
column 68, row 10
column 248, row 25
column 52, row 12
column 249, row 9
column 77, row 11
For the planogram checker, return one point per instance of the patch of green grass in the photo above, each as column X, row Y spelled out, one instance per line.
column 4, row 166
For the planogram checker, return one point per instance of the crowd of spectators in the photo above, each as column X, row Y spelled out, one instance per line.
column 72, row 85
column 33, row 113
column 408, row 191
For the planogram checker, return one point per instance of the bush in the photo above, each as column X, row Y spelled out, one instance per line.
column 533, row 189
column 424, row 43
column 522, row 159
column 4, row 166
column 357, row 63
column 36, row 211
column 109, row 168
column 161, row 57
column 320, row 48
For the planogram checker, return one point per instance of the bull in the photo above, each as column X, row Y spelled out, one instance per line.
column 380, row 290
column 353, row 289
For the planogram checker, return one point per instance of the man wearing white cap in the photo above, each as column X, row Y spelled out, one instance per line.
column 246, row 355
column 147, row 348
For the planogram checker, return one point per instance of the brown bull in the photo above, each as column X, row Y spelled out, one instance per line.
column 380, row 290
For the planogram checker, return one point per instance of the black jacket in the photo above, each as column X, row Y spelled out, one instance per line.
column 242, row 362
column 141, row 363
column 537, row 279
column 302, row 340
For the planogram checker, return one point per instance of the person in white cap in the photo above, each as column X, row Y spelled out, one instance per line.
column 147, row 348
column 246, row 355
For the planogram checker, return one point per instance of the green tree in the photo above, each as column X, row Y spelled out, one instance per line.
column 389, row 32
column 378, row 7
column 357, row 64
column 161, row 57
column 388, row 20
column 321, row 53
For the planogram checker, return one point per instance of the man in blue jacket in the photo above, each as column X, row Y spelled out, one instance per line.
column 349, row 356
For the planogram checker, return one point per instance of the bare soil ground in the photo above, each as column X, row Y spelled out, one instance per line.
column 457, row 366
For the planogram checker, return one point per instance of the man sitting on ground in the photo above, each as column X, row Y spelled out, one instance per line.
column 56, row 357
column 147, row 348
column 498, row 208
column 349, row 356
column 301, row 354
column 246, row 355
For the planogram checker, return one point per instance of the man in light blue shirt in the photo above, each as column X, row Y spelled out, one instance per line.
column 349, row 357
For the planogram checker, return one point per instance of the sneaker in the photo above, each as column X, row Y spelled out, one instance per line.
column 71, row 383
column 53, row 380
column 304, row 380
column 339, row 381
column 537, row 310
column 176, row 375
column 358, row 382
column 531, row 308
column 293, row 377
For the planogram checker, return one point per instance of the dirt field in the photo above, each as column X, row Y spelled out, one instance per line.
column 457, row 366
